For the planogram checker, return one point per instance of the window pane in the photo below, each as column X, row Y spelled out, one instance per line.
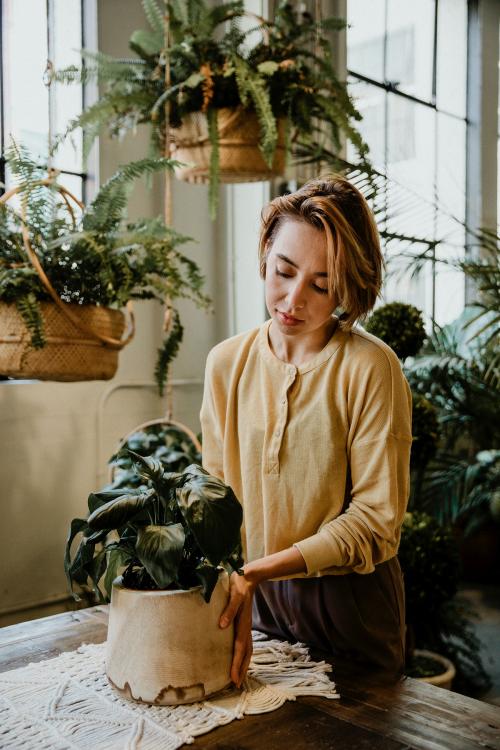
column 26, row 110
column 452, row 56
column 370, row 101
column 410, row 46
column 450, row 287
column 450, row 174
column 411, row 160
column 67, row 100
column 365, row 38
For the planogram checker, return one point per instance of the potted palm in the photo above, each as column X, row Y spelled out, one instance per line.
column 236, row 109
column 66, row 272
column 441, row 647
column 170, row 536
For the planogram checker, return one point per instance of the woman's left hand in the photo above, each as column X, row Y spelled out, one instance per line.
column 239, row 609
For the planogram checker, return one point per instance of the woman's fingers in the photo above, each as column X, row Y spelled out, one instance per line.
column 231, row 610
column 240, row 592
column 242, row 644
column 241, row 658
column 246, row 661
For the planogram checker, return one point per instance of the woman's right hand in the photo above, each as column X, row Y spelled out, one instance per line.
column 239, row 610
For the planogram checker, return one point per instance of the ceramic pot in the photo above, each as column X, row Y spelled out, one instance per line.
column 166, row 647
column 445, row 678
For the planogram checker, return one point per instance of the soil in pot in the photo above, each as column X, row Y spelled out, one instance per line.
column 432, row 668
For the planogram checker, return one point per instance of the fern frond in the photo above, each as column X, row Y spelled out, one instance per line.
column 251, row 85
column 213, row 188
column 154, row 15
column 30, row 311
column 168, row 351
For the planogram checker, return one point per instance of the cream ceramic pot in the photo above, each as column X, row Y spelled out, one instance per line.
column 166, row 647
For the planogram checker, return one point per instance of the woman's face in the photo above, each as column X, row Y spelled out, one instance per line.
column 296, row 282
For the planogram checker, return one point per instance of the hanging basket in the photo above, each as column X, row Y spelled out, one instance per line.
column 144, row 427
column 82, row 341
column 240, row 157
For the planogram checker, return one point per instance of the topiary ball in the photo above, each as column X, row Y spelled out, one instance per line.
column 400, row 326
column 425, row 431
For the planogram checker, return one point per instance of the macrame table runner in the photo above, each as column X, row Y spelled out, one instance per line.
column 67, row 702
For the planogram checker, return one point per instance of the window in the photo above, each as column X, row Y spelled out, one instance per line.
column 407, row 67
column 33, row 32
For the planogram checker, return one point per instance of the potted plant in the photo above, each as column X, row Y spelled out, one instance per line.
column 458, row 372
column 170, row 535
column 441, row 646
column 63, row 271
column 440, row 643
column 234, row 109
column 401, row 327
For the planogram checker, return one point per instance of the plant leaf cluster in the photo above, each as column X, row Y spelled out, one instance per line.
column 99, row 259
column 172, row 531
column 437, row 618
column 164, row 442
column 288, row 73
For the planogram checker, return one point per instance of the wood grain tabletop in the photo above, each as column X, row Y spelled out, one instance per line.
column 368, row 716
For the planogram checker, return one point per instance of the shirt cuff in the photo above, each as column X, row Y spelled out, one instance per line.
column 320, row 553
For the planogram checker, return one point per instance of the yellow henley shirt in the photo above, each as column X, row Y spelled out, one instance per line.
column 318, row 454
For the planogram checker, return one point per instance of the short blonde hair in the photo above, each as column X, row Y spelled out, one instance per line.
column 354, row 258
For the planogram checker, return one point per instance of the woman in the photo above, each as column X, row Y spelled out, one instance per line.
column 308, row 419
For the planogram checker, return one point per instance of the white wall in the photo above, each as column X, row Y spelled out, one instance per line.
column 56, row 437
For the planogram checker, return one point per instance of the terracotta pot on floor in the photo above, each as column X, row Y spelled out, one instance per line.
column 166, row 647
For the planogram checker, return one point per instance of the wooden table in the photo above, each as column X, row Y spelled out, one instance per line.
column 367, row 716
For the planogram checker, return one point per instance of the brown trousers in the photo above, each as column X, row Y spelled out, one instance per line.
column 357, row 619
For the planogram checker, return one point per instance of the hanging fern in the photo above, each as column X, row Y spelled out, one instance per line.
column 168, row 351
column 29, row 309
column 100, row 261
column 278, row 76
column 213, row 188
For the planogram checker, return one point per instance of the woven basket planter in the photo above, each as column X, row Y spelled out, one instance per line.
column 240, row 158
column 69, row 354
column 82, row 341
column 166, row 647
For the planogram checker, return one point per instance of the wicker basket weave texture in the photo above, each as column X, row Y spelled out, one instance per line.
column 69, row 354
column 240, row 158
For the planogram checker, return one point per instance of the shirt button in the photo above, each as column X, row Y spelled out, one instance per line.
column 283, row 400
column 277, row 433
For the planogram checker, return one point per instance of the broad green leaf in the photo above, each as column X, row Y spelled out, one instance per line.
column 208, row 576
column 98, row 499
column 77, row 525
column 212, row 512
column 159, row 548
column 147, row 467
column 95, row 568
column 116, row 557
column 121, row 510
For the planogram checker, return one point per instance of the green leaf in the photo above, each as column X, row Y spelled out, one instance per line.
column 77, row 525
column 208, row 577
column 117, row 557
column 213, row 187
column 121, row 510
column 212, row 512
column 149, row 41
column 159, row 548
column 98, row 499
column 147, row 467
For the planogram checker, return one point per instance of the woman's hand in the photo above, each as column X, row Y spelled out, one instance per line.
column 239, row 609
